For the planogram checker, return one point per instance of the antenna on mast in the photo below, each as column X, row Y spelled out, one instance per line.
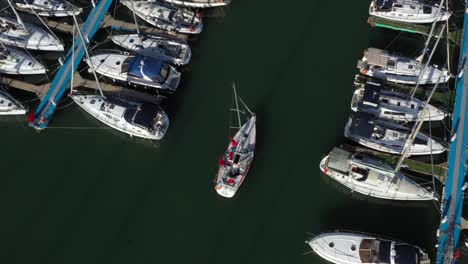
column 87, row 55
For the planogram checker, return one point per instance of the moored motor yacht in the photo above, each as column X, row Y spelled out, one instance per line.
column 49, row 8
column 410, row 11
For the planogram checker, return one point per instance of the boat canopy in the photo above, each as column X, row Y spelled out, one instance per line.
column 361, row 125
column 338, row 160
column 142, row 116
column 145, row 68
column 384, row 4
column 377, row 57
column 371, row 95
column 406, row 254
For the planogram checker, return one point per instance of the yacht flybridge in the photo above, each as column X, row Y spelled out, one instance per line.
column 381, row 64
column 48, row 8
column 133, row 118
column 14, row 61
column 369, row 176
column 9, row 106
column 199, row 3
column 136, row 70
column 388, row 137
column 173, row 51
column 32, row 37
column 235, row 162
column 410, row 11
column 390, row 105
column 354, row 248
column 165, row 16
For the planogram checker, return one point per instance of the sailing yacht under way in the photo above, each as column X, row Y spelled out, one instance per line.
column 165, row 16
column 9, row 106
column 383, row 65
column 49, row 8
column 234, row 164
column 137, row 70
column 13, row 61
column 371, row 177
column 134, row 118
column 32, row 37
column 384, row 104
column 410, row 11
column 199, row 3
column 354, row 248
column 388, row 137
column 176, row 52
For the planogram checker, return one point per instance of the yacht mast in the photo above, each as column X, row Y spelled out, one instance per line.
column 135, row 18
column 17, row 16
column 87, row 55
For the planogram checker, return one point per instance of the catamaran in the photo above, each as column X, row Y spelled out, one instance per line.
column 234, row 164
column 9, row 105
column 388, row 137
column 169, row 50
column 14, row 61
column 410, row 11
column 355, row 248
column 136, row 70
column 372, row 177
column 376, row 100
column 199, row 3
column 381, row 64
column 165, row 16
column 48, row 8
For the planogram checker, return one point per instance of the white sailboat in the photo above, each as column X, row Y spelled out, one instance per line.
column 355, row 248
column 9, row 105
column 376, row 100
column 14, row 61
column 48, row 8
column 235, row 162
column 128, row 116
column 165, row 16
column 199, row 3
column 410, row 11
column 173, row 51
column 369, row 176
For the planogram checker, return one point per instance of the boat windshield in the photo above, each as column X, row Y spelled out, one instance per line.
column 164, row 72
column 380, row 251
column 384, row 4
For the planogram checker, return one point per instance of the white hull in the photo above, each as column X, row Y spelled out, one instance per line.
column 378, row 183
column 11, row 33
column 199, row 3
column 115, row 119
column 416, row 17
column 49, row 8
column 16, row 62
column 174, row 52
column 9, row 106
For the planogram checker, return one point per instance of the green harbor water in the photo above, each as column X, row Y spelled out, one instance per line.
column 92, row 195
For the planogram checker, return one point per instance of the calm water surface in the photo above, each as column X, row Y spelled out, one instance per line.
column 98, row 196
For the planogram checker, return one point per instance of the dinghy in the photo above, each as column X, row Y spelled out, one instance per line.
column 199, row 3
column 173, row 51
column 234, row 164
column 385, row 104
column 29, row 37
column 130, row 117
column 165, row 16
column 381, row 64
column 388, row 137
column 369, row 176
column 409, row 11
column 136, row 70
column 13, row 61
column 355, row 248
column 9, row 106
column 48, row 8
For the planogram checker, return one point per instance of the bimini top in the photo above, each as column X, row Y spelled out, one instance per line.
column 145, row 68
column 371, row 95
column 384, row 4
column 142, row 116
column 338, row 159
column 361, row 125
column 377, row 57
